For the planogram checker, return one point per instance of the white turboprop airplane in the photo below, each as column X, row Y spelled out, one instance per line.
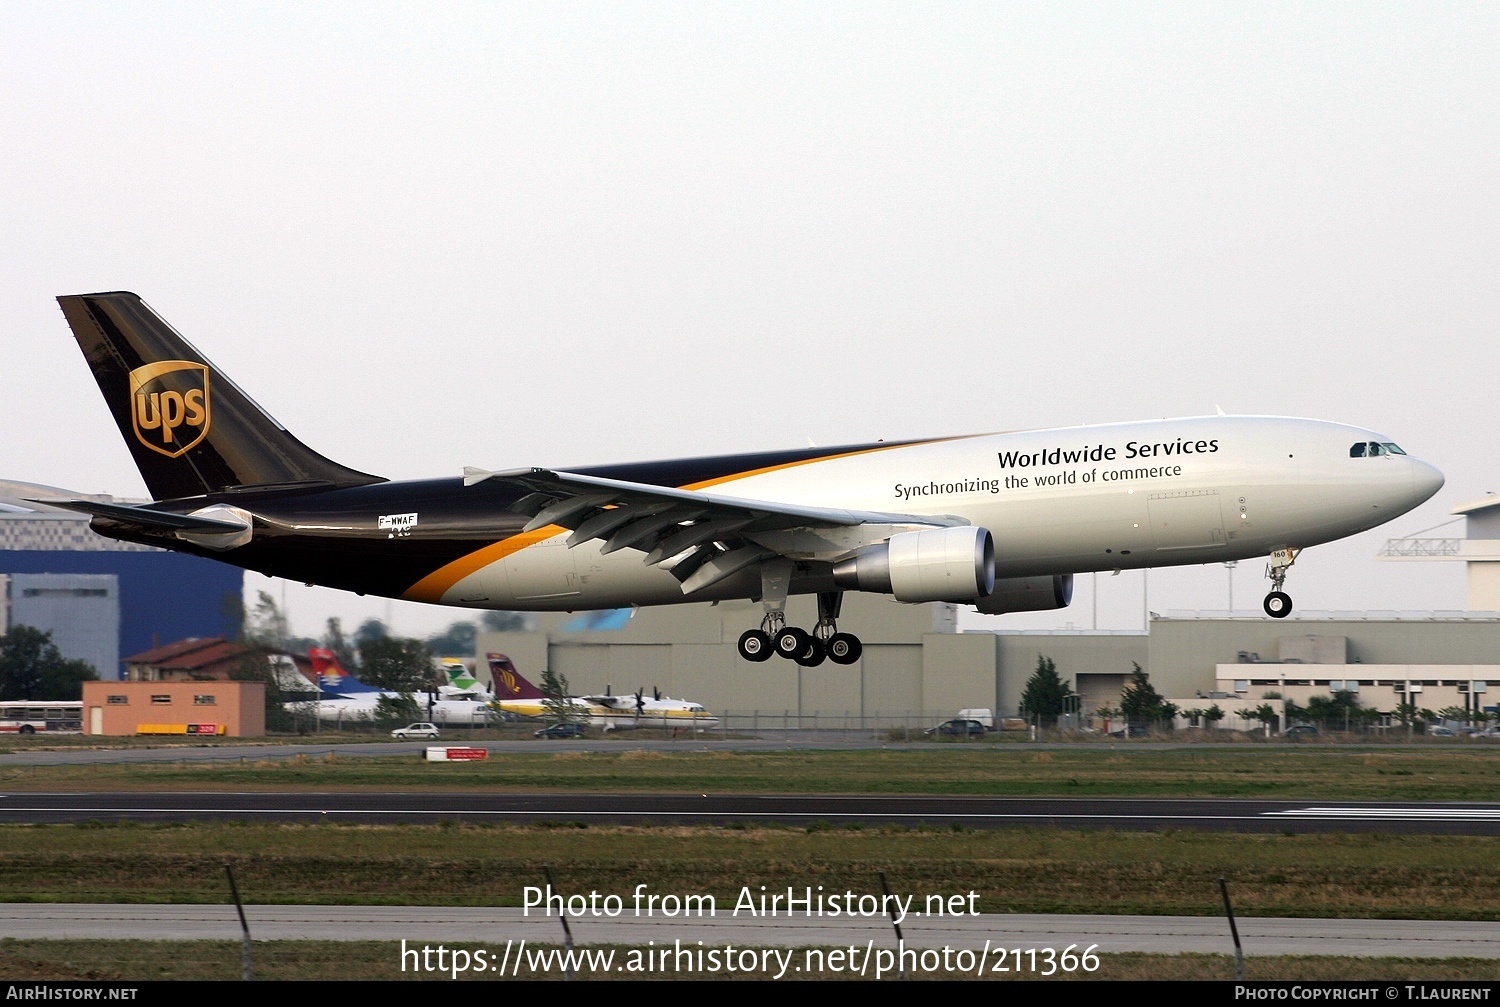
column 610, row 712
column 998, row 521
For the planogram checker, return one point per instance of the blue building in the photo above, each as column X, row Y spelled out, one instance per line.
column 163, row 596
column 80, row 610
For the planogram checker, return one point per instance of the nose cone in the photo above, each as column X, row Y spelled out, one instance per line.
column 1425, row 480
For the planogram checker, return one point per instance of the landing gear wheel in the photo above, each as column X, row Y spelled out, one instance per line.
column 813, row 654
column 26, row 729
column 844, row 648
column 1278, row 604
column 755, row 645
column 791, row 642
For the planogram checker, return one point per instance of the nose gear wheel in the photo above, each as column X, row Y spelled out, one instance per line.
column 1278, row 603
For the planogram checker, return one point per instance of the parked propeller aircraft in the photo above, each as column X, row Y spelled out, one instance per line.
column 514, row 694
column 345, row 699
column 998, row 521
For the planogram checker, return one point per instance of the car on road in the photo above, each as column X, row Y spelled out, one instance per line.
column 1300, row 731
column 1442, row 732
column 559, row 731
column 957, row 728
column 416, row 731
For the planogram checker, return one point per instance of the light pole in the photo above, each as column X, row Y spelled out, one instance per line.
column 1146, row 598
column 1229, row 565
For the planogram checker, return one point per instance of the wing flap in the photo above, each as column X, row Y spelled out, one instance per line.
column 712, row 536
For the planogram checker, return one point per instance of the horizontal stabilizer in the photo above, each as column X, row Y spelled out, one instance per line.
column 144, row 517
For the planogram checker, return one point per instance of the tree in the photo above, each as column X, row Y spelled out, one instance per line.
column 395, row 664
column 31, row 667
column 1046, row 693
column 63, row 679
column 266, row 623
column 1457, row 713
column 1265, row 713
column 397, row 710
column 1140, row 702
column 341, row 646
column 1213, row 715
column 1335, row 712
column 370, row 629
column 455, row 641
column 505, row 622
column 558, row 707
column 1193, row 715
column 23, row 651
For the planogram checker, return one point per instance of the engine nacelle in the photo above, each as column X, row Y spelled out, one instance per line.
column 944, row 564
column 1028, row 594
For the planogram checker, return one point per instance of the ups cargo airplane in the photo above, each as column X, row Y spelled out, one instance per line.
column 998, row 521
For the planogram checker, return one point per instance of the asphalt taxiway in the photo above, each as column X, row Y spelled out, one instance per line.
column 809, row 741
column 1451, row 818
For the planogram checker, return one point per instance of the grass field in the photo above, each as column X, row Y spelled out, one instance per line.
column 141, row 960
column 1321, row 773
column 1022, row 870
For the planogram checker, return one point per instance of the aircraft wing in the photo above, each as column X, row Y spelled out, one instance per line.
column 700, row 537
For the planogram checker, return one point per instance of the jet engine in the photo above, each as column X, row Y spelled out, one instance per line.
column 943, row 564
column 1028, row 594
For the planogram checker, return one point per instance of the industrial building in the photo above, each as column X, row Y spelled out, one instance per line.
column 80, row 610
column 1478, row 549
column 917, row 665
column 151, row 595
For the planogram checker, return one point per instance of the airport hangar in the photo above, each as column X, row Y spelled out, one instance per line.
column 916, row 665
column 100, row 598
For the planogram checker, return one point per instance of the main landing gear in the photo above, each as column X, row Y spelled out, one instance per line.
column 809, row 650
column 1278, row 603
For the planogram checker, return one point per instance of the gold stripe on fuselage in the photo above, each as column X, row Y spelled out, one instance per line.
column 432, row 587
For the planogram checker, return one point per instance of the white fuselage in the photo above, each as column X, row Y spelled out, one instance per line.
column 1070, row 500
column 622, row 713
column 361, row 709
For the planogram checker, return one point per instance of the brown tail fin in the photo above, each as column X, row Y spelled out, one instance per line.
column 191, row 430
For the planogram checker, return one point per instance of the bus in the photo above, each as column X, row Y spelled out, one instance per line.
column 25, row 716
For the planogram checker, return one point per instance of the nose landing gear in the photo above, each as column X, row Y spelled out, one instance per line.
column 1278, row 603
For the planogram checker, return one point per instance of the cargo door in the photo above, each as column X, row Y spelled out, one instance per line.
column 1186, row 519
column 542, row 571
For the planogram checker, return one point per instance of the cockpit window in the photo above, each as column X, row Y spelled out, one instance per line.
column 1373, row 450
column 1392, row 449
column 1358, row 450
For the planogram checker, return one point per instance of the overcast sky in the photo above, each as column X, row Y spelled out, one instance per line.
column 436, row 235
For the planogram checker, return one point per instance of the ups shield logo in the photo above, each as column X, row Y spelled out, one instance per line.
column 169, row 405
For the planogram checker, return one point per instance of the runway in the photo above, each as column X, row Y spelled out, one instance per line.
column 678, row 809
column 474, row 928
